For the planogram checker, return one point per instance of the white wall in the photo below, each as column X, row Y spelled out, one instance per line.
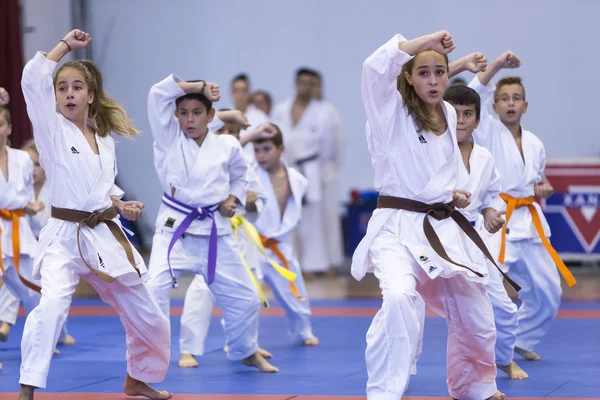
column 138, row 42
column 45, row 23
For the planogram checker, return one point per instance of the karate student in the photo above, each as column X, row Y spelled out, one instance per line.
column 203, row 178
column 9, row 303
column 83, row 239
column 411, row 245
column 199, row 301
column 17, row 243
column 262, row 101
column 240, row 92
column 523, row 245
column 331, row 158
column 482, row 180
column 305, row 127
column 285, row 188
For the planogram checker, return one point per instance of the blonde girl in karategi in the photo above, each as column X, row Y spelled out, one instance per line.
column 78, row 156
column 412, row 129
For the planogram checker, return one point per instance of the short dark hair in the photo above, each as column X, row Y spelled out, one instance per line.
column 277, row 140
column 464, row 96
column 241, row 77
column 195, row 96
column 458, row 82
column 307, row 71
column 263, row 93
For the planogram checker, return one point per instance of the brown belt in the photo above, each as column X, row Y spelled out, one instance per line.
column 441, row 211
column 91, row 220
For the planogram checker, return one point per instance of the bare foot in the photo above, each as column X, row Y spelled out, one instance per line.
column 26, row 393
column 498, row 396
column 0, row 366
column 264, row 353
column 56, row 352
column 311, row 342
column 187, row 361
column 226, row 349
column 69, row 341
column 133, row 387
column 4, row 331
column 258, row 361
column 528, row 355
column 514, row 371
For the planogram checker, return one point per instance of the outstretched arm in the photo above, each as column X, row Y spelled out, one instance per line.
column 508, row 59
column 474, row 62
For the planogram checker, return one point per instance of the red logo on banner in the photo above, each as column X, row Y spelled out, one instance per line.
column 576, row 196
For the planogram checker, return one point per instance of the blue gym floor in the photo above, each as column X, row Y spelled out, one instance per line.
column 570, row 365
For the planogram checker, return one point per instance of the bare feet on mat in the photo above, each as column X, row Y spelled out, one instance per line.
column 0, row 366
column 514, row 371
column 26, row 393
column 311, row 342
column 4, row 331
column 258, row 361
column 187, row 361
column 133, row 387
column 528, row 355
column 56, row 352
column 69, row 341
column 264, row 353
column 498, row 396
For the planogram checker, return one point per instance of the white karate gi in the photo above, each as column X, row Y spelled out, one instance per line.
column 9, row 303
column 529, row 263
column 201, row 177
column 396, row 250
column 199, row 301
column 304, row 143
column 483, row 182
column 15, row 194
column 332, row 160
column 81, row 180
column 271, row 224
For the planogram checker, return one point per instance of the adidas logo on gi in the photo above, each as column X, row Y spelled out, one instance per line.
column 422, row 139
column 432, row 268
column 74, row 150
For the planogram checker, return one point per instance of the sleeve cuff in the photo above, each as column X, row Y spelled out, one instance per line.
column 48, row 65
column 239, row 193
column 172, row 87
column 479, row 88
column 394, row 53
column 215, row 124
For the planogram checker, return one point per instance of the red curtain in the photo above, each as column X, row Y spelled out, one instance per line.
column 11, row 69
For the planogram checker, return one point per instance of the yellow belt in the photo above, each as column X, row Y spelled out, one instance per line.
column 255, row 237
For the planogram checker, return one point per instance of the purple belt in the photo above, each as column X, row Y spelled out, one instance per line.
column 192, row 214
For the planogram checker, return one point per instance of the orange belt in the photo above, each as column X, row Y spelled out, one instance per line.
column 518, row 202
column 14, row 215
column 271, row 244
